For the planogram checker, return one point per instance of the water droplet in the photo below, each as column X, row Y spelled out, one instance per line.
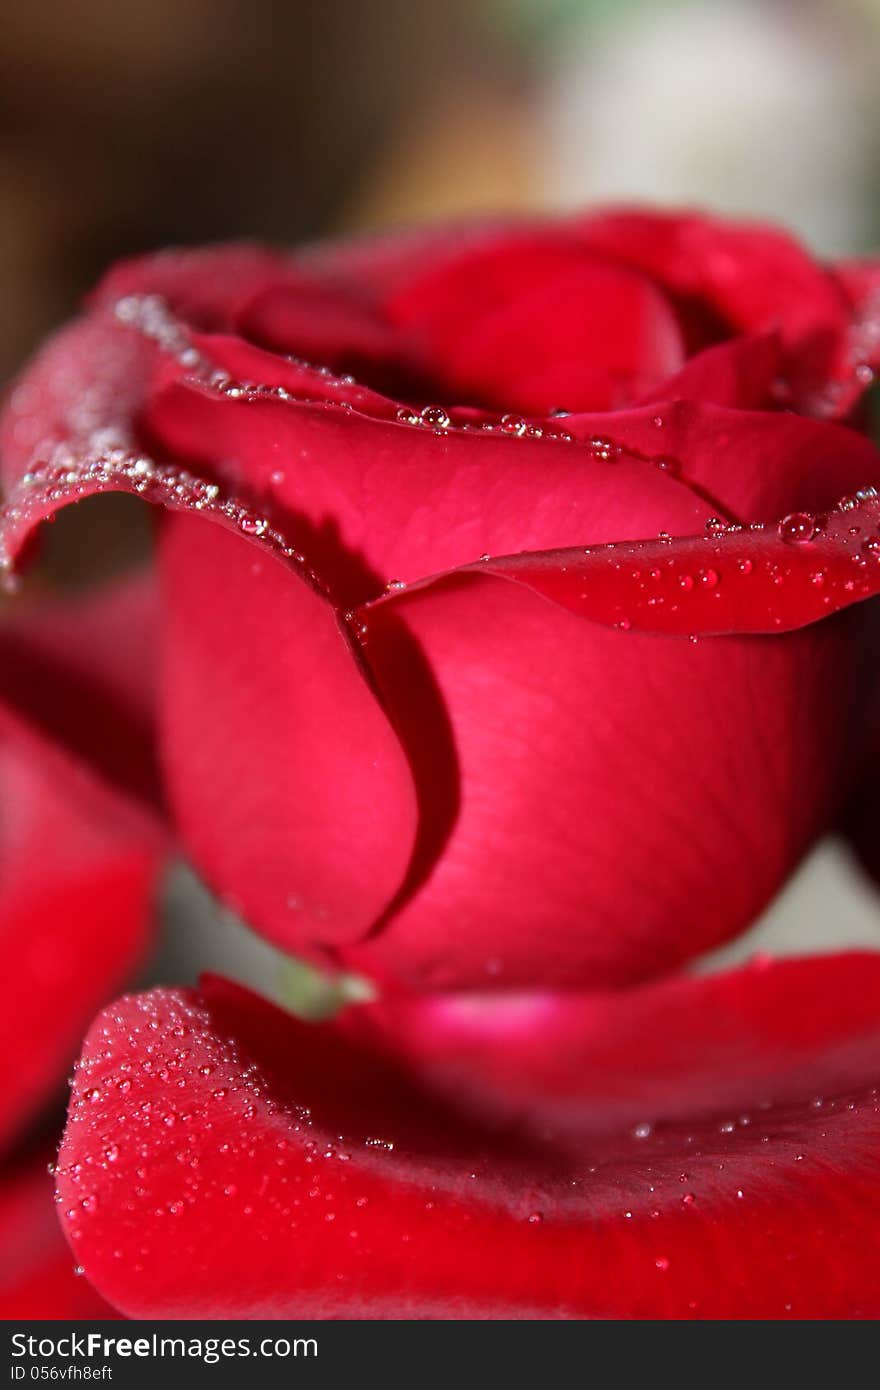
column 513, row 424
column 435, row 417
column 797, row 527
column 642, row 1131
column 662, row 1263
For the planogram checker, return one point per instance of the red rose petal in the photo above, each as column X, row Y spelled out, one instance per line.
column 78, row 864
column 84, row 669
column 83, row 387
column 757, row 279
column 289, row 785
column 533, row 323
column 37, row 1279
column 622, row 801
column 205, row 285
column 742, row 374
column 860, row 282
column 757, row 579
column 337, row 328
column 753, row 465
column 292, row 1174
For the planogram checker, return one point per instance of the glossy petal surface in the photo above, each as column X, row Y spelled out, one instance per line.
column 303, row 1176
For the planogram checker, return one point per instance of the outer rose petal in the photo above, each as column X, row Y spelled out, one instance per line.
column 758, row 579
column 91, row 376
column 299, row 1176
column 77, row 869
column 622, row 801
column 37, row 1279
column 291, row 789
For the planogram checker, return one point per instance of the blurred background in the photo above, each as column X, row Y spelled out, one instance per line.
column 126, row 126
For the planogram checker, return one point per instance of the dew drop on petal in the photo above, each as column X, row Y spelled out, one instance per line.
column 435, row 417
column 797, row 527
column 513, row 424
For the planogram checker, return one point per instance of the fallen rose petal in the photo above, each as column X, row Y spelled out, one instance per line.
column 299, row 1175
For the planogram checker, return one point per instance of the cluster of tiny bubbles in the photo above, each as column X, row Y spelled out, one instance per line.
column 71, row 474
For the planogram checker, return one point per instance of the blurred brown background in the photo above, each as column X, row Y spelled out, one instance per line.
column 126, row 125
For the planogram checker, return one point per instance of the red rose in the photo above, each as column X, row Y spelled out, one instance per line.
column 502, row 649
